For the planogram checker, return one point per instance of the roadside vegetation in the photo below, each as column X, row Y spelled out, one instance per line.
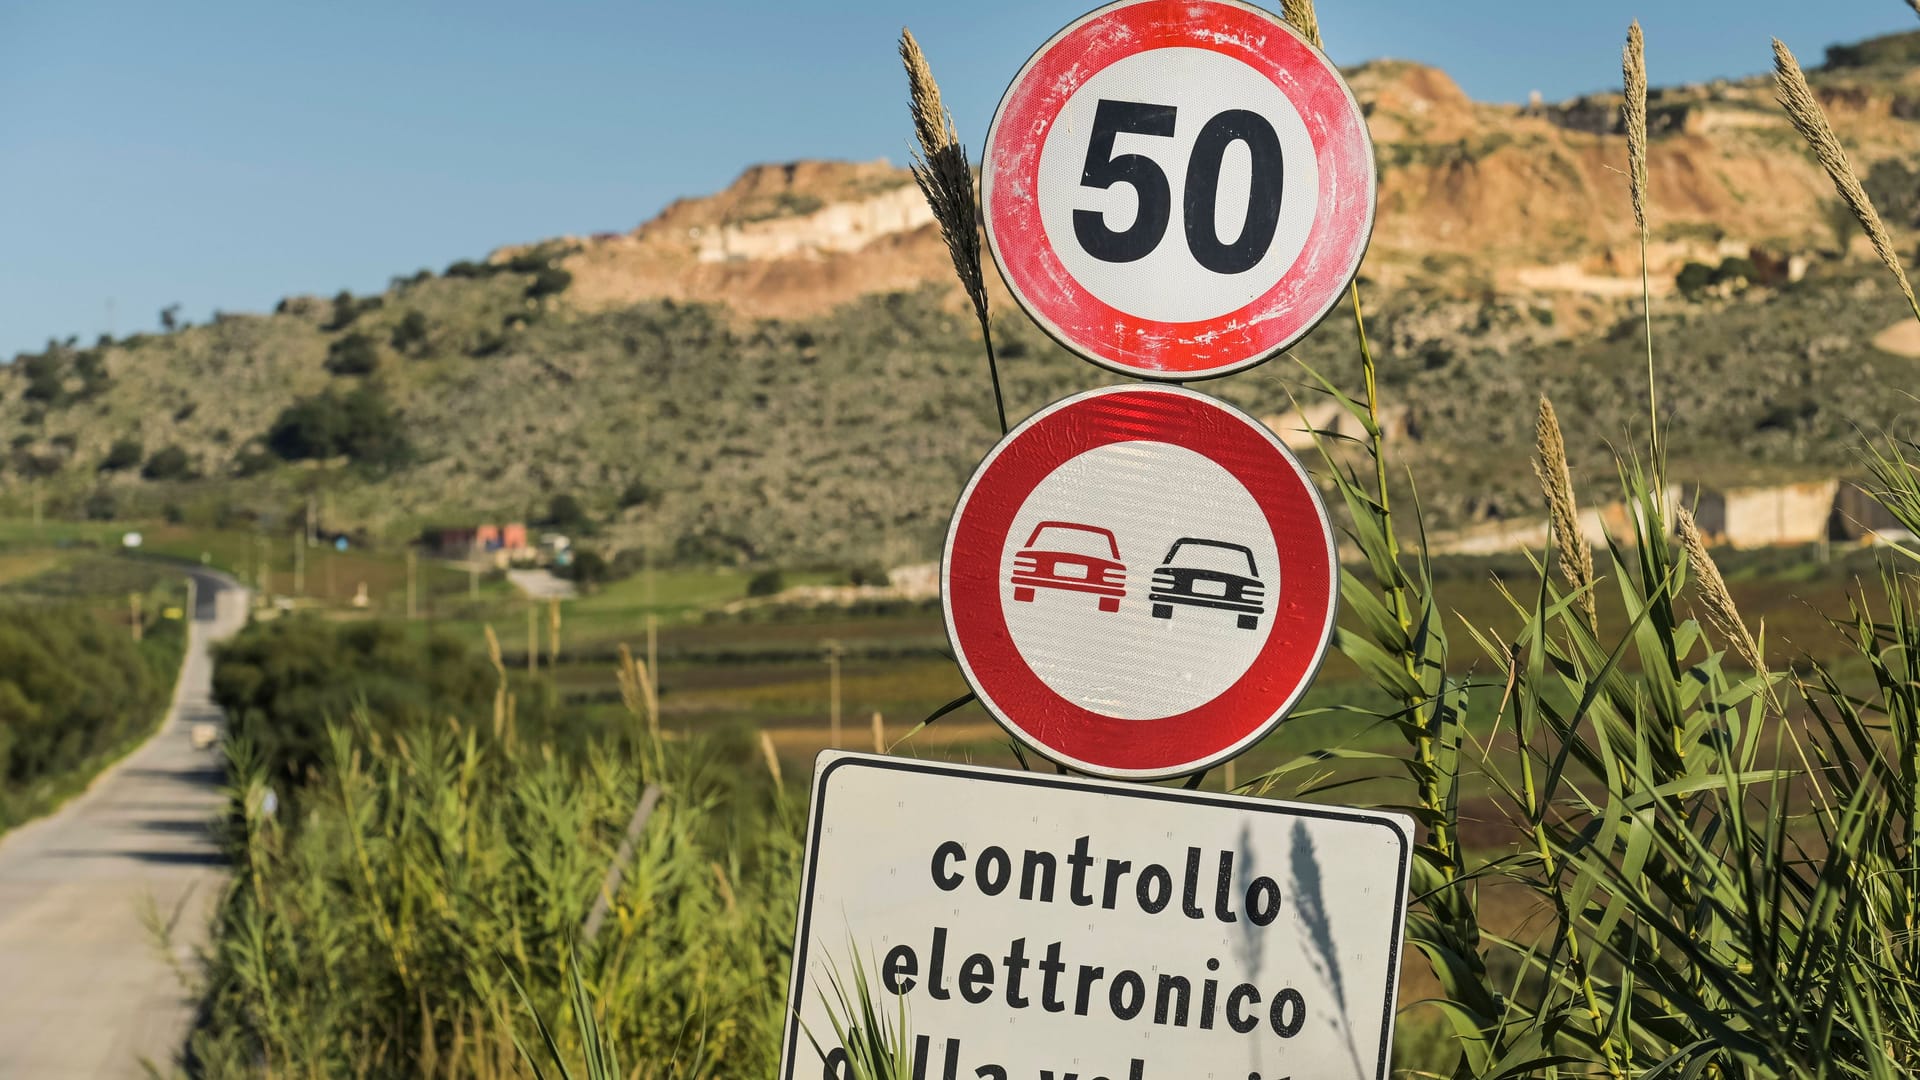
column 402, row 874
column 77, row 690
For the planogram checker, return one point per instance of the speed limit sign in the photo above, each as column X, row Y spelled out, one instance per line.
column 1178, row 189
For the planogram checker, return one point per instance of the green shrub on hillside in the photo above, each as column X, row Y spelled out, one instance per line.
column 637, row 493
column 168, row 463
column 360, row 425
column 352, row 355
column 548, row 281
column 565, row 513
column 347, row 308
column 1899, row 50
column 123, row 454
column 1894, row 187
column 410, row 334
column 46, row 379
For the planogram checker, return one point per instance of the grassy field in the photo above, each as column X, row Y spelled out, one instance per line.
column 733, row 674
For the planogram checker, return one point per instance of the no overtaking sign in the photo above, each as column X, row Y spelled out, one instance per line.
column 1139, row 581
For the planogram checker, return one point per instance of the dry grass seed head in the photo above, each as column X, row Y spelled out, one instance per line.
column 1633, row 70
column 940, row 168
column 1556, row 480
column 1301, row 15
column 1721, row 613
column 1790, row 86
column 772, row 758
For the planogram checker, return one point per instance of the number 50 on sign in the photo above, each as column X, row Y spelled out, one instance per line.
column 1178, row 190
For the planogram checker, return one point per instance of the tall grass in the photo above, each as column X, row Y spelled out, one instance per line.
column 381, row 917
column 1725, row 859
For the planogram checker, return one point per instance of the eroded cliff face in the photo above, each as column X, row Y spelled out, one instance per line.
column 1474, row 198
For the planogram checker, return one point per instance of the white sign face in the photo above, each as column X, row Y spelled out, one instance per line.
column 1082, row 928
column 1178, row 188
column 1168, row 282
column 1139, row 581
column 1160, row 658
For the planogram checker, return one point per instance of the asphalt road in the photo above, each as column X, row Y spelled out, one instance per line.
column 85, row 991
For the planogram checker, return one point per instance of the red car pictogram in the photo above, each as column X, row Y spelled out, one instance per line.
column 1057, row 567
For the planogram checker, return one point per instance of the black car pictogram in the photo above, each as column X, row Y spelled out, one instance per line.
column 1056, row 566
column 1184, row 578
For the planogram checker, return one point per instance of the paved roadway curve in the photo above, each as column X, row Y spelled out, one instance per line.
column 84, row 990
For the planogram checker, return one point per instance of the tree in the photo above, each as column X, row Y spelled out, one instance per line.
column 588, row 568
column 352, row 355
column 170, row 317
column 124, row 454
column 548, row 281
column 410, row 334
column 565, row 512
column 1694, row 278
column 360, row 425
column 168, row 463
column 100, row 505
column 766, row 583
column 638, row 493
column 46, row 377
column 344, row 311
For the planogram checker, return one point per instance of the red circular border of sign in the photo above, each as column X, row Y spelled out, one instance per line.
column 1152, row 349
column 1305, row 606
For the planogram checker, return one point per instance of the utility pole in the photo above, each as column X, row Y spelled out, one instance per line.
column 553, row 631
column 413, row 608
column 833, row 693
column 879, row 734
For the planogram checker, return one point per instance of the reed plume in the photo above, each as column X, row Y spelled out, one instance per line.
column 1721, row 613
column 1633, row 118
column 1791, row 89
column 1301, row 15
column 946, row 180
column 772, row 759
column 1633, row 70
column 1556, row 479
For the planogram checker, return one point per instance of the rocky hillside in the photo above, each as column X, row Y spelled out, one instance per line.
column 1472, row 196
column 779, row 372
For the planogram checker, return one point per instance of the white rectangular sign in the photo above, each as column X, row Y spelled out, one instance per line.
column 1054, row 928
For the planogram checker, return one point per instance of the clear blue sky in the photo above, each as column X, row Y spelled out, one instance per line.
column 222, row 155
